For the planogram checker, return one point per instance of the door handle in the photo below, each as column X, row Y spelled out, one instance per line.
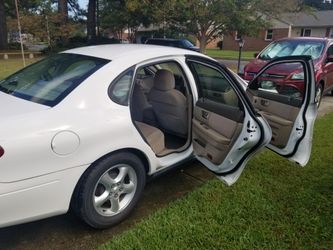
column 264, row 103
column 204, row 114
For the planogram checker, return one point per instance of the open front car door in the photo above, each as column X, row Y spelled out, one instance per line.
column 283, row 92
column 230, row 125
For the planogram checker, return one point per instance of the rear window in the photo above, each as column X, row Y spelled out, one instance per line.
column 49, row 81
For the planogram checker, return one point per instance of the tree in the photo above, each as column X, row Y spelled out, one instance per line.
column 63, row 10
column 208, row 19
column 91, row 21
column 3, row 26
column 119, row 15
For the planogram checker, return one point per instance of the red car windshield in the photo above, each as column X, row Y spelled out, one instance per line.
column 293, row 48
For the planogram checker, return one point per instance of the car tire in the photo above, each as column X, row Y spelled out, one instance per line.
column 109, row 190
column 319, row 95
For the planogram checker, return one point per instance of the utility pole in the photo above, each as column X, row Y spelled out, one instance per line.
column 20, row 33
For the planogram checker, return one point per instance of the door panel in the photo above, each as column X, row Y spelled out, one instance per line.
column 213, row 134
column 281, row 117
column 283, row 93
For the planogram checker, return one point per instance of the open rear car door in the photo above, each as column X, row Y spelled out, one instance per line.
column 228, row 127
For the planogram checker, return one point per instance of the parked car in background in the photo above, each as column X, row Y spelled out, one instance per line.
column 290, row 79
column 179, row 43
column 85, row 128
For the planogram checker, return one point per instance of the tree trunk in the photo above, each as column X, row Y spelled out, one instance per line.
column 63, row 10
column 91, row 21
column 3, row 27
column 203, row 43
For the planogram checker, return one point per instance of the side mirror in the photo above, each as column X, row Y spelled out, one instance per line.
column 255, row 55
column 329, row 59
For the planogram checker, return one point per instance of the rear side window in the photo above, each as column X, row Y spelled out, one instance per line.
column 120, row 87
column 49, row 81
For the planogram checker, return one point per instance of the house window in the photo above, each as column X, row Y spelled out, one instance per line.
column 306, row 32
column 269, row 35
column 237, row 36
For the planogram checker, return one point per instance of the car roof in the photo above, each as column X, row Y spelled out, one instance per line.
column 165, row 39
column 309, row 38
column 136, row 52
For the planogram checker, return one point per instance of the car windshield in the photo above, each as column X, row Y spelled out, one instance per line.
column 187, row 43
column 293, row 48
column 52, row 79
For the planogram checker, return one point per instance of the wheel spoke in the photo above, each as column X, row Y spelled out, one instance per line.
column 114, row 204
column 106, row 181
column 128, row 188
column 123, row 171
column 100, row 200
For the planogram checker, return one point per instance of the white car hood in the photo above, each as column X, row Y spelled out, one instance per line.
column 13, row 106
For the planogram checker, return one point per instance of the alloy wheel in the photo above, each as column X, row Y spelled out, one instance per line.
column 115, row 190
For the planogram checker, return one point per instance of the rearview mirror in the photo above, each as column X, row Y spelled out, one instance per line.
column 329, row 58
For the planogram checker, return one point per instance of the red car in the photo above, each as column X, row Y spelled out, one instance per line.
column 289, row 80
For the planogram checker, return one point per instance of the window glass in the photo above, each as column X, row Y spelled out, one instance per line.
column 187, row 43
column 237, row 36
column 293, row 48
column 330, row 51
column 269, row 34
column 49, row 81
column 144, row 72
column 284, row 79
column 306, row 32
column 213, row 85
column 120, row 88
column 171, row 66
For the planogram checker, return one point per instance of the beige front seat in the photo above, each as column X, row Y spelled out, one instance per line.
column 169, row 104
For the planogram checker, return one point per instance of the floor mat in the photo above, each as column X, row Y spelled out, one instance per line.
column 173, row 142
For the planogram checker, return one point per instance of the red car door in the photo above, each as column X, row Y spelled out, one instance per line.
column 328, row 69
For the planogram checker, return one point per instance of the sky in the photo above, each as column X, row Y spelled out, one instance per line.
column 83, row 3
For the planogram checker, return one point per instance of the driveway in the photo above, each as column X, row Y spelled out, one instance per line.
column 67, row 232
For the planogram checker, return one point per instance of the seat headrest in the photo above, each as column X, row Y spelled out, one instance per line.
column 164, row 80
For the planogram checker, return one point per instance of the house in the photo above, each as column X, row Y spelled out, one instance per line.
column 318, row 24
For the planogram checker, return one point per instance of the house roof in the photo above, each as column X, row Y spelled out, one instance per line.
column 317, row 19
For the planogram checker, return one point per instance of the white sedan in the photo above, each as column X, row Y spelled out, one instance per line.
column 84, row 128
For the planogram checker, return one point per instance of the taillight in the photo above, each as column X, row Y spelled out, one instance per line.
column 2, row 151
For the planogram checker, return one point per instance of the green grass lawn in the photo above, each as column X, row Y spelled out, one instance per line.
column 9, row 66
column 229, row 54
column 274, row 205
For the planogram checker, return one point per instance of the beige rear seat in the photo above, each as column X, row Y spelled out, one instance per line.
column 153, row 136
